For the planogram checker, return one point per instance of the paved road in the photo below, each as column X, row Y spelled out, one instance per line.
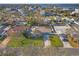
column 5, row 42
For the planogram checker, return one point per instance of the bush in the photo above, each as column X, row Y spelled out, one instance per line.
column 55, row 41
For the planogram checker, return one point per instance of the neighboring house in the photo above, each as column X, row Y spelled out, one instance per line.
column 43, row 29
column 16, row 30
column 20, row 22
column 12, row 10
column 38, row 31
column 45, row 21
column 73, row 38
column 19, row 28
column 61, row 28
column 3, row 31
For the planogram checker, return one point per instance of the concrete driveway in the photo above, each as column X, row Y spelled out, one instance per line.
column 47, row 43
column 66, row 44
column 4, row 43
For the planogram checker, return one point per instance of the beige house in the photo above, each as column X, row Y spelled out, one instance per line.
column 74, row 40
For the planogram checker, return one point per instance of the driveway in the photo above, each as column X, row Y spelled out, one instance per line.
column 4, row 43
column 66, row 44
column 47, row 43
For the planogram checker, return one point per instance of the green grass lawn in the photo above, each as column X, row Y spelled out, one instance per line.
column 55, row 41
column 24, row 42
column 38, row 42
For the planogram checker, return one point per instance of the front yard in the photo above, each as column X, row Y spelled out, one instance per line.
column 21, row 41
column 38, row 42
column 55, row 41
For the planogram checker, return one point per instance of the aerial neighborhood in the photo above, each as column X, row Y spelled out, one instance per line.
column 39, row 26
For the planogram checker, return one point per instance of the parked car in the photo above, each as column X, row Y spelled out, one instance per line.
column 64, row 37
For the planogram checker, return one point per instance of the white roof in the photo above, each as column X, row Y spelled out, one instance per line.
column 61, row 29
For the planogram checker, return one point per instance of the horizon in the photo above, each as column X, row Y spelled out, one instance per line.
column 42, row 5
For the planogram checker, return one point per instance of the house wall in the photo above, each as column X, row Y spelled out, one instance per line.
column 73, row 42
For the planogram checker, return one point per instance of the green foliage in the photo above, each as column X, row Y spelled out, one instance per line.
column 25, row 42
column 55, row 41
column 32, row 22
column 37, row 42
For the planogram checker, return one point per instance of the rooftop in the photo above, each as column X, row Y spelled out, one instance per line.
column 61, row 29
column 42, row 29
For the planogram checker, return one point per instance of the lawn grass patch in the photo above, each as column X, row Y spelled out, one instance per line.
column 55, row 41
column 38, row 42
column 21, row 41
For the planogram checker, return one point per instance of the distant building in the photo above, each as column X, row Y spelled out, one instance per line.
column 7, row 9
column 65, row 9
column 73, row 37
column 47, row 21
column 76, row 10
column 3, row 30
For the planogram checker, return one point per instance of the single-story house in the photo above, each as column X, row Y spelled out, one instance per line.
column 61, row 29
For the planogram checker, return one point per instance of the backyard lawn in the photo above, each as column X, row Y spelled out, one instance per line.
column 21, row 41
column 55, row 41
